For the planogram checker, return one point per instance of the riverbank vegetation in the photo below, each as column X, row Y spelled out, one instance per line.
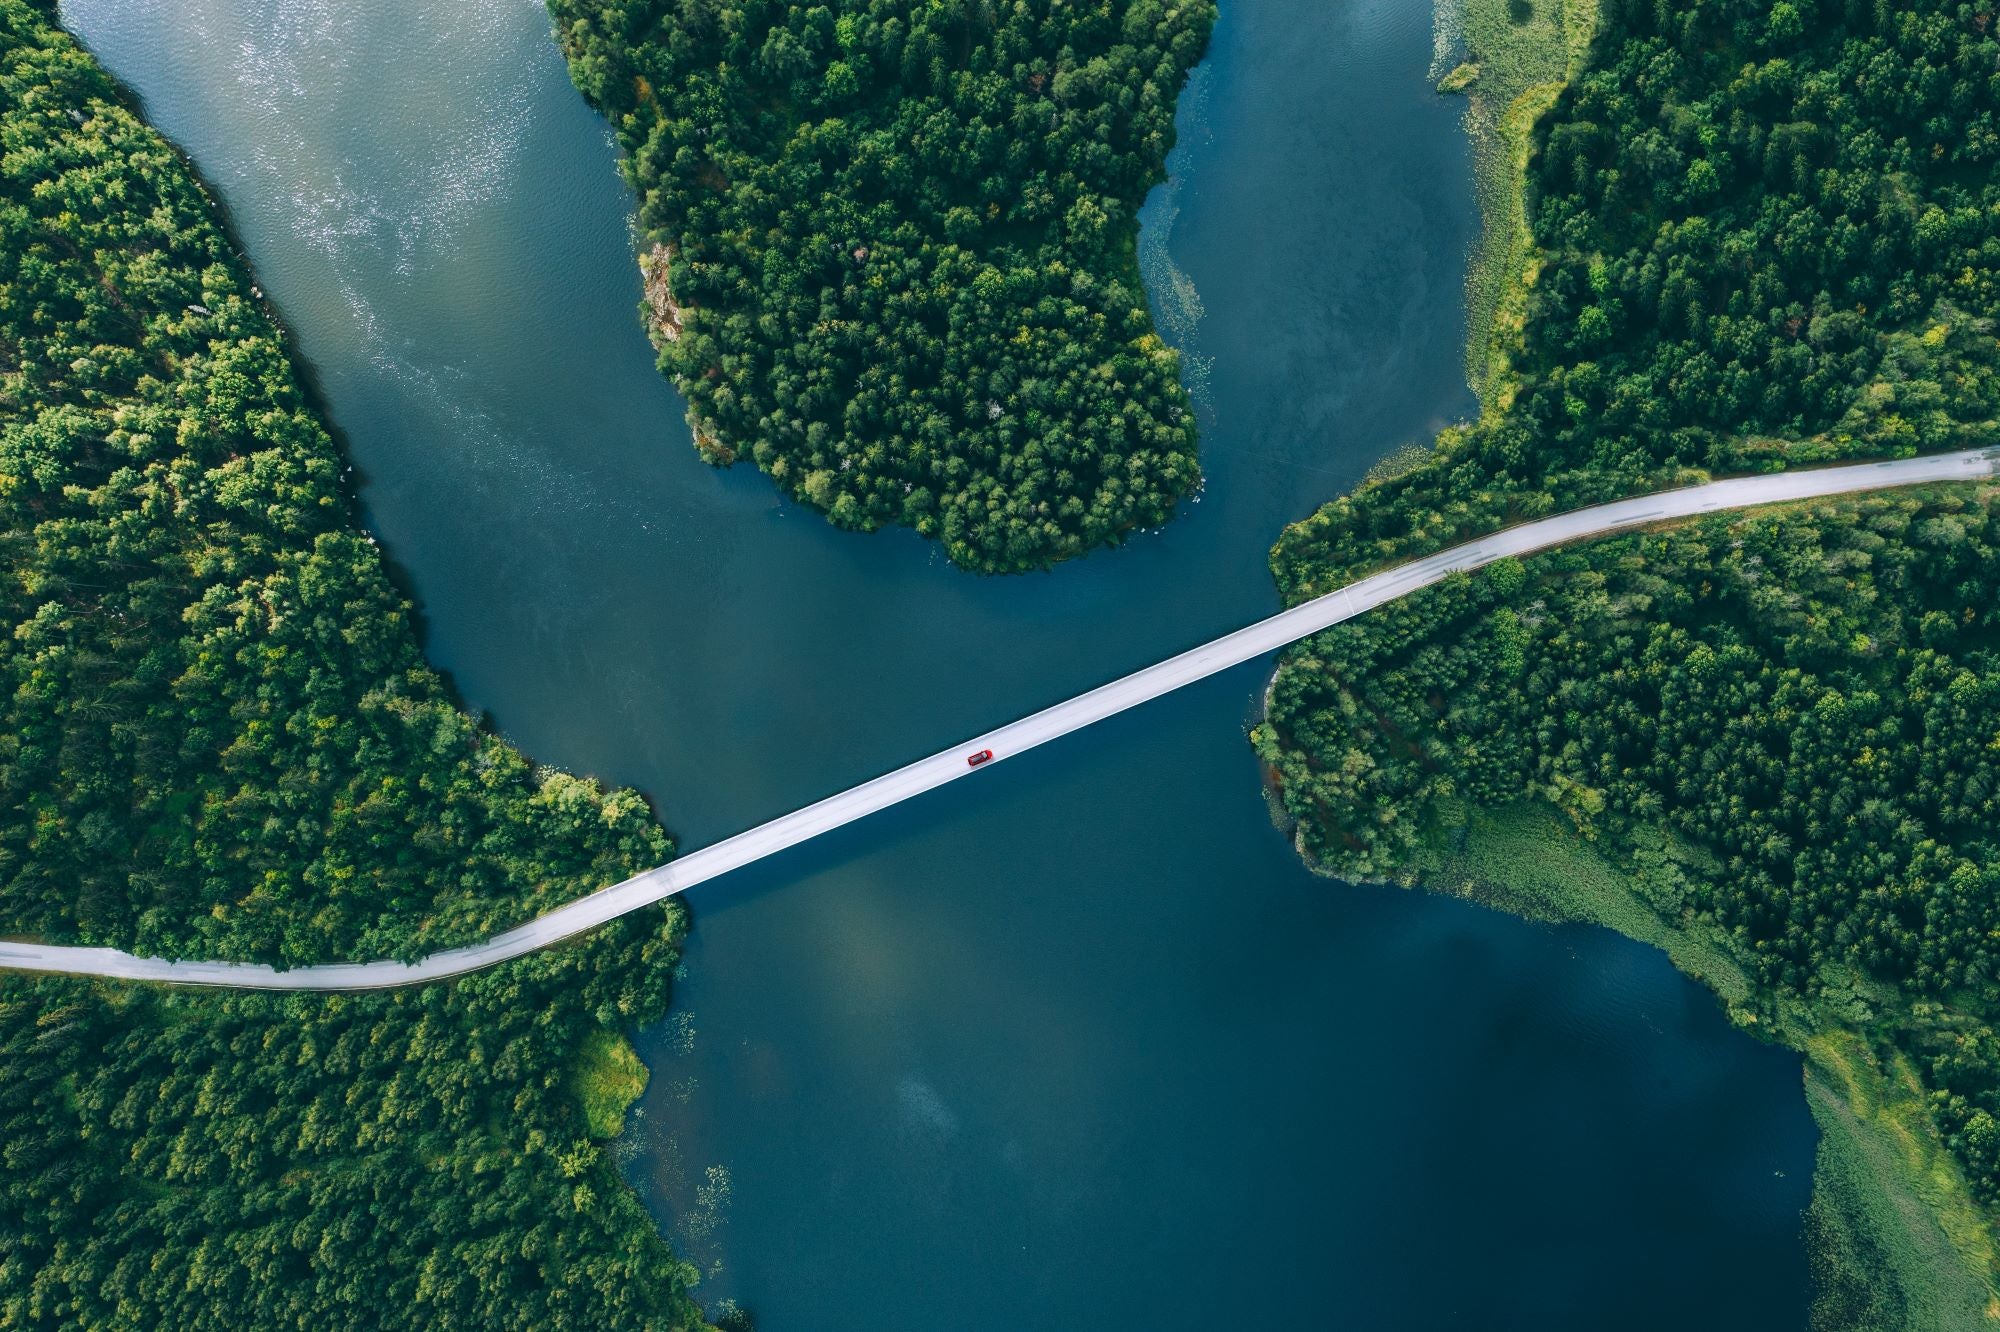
column 1764, row 235
column 1518, row 55
column 1894, row 1237
column 609, row 1078
column 899, row 247
column 217, row 737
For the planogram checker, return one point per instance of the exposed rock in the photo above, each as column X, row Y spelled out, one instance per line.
column 655, row 267
column 665, row 322
column 711, row 449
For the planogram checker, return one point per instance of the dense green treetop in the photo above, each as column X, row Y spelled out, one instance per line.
column 217, row 738
column 1769, row 235
column 902, row 240
column 415, row 1159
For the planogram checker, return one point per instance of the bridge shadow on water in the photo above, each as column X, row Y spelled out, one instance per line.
column 1079, row 1043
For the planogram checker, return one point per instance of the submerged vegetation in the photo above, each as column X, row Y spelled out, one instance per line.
column 219, row 738
column 1757, row 235
column 1524, row 51
column 892, row 252
column 1894, row 1238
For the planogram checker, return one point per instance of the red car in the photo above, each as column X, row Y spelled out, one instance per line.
column 975, row 760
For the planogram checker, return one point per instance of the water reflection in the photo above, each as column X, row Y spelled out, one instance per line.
column 1078, row 1044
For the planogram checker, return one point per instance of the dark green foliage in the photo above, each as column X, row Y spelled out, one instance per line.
column 217, row 737
column 1826, row 298
column 216, row 734
column 1737, row 202
column 1772, row 237
column 1812, row 695
column 412, row 1159
column 904, row 251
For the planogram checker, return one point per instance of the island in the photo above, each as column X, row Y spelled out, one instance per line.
column 887, row 253
column 891, row 253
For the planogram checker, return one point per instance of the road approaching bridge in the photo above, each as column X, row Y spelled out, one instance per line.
column 857, row 802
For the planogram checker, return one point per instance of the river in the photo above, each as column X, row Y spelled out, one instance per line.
column 1078, row 1045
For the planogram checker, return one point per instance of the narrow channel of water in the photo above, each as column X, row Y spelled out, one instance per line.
column 1077, row 1045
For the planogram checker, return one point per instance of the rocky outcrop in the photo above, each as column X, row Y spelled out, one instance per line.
column 665, row 316
column 711, row 449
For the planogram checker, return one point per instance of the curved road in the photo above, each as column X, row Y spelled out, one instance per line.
column 857, row 802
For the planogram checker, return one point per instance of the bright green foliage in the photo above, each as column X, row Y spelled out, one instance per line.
column 216, row 734
column 1826, row 299
column 904, row 251
column 412, row 1159
column 1771, row 237
column 1813, row 695
column 609, row 1077
column 217, row 737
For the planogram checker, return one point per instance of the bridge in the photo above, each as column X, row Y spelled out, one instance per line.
column 950, row 765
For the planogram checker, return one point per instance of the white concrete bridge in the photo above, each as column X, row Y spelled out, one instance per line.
column 950, row 765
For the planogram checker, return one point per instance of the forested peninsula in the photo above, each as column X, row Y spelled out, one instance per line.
column 892, row 252
column 217, row 738
column 1757, row 235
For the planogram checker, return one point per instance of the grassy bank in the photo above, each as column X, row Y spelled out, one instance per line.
column 1518, row 55
column 607, row 1079
column 1895, row 1238
column 1806, row 696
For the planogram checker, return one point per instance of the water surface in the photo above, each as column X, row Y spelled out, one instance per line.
column 1078, row 1044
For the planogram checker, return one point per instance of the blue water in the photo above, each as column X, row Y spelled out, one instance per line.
column 1077, row 1045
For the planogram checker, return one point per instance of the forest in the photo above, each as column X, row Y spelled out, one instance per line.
column 893, row 252
column 1766, row 235
column 218, row 738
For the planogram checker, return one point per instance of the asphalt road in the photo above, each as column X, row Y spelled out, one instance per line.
column 1266, row 636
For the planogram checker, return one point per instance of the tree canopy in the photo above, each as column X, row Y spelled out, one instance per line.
column 895, row 251
column 1767, row 235
column 217, row 737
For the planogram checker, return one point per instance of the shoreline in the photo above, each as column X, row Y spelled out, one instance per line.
column 1511, row 71
column 1893, row 1235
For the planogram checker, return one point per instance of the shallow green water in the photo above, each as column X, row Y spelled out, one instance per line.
column 1079, row 1044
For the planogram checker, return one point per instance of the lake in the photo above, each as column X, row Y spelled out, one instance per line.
column 1078, row 1044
